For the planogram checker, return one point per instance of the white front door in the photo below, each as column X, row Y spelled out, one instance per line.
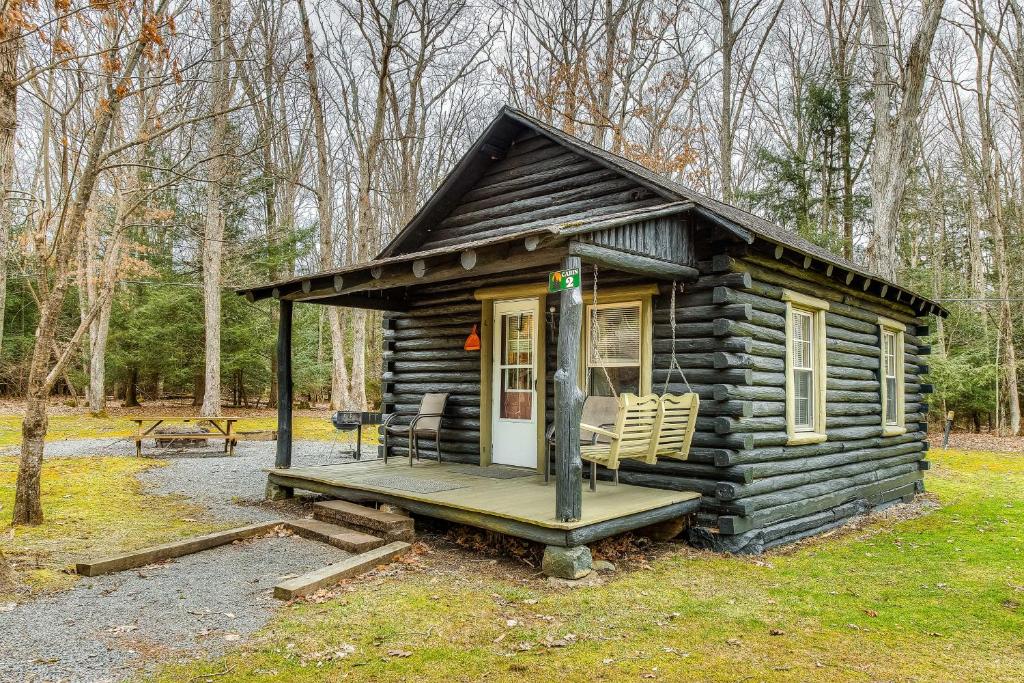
column 514, row 383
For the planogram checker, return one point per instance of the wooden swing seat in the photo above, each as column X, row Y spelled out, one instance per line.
column 645, row 427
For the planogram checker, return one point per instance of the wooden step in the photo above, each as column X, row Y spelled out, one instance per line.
column 333, row 573
column 338, row 536
column 392, row 526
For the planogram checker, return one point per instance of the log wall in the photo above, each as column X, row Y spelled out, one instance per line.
column 758, row 491
column 538, row 181
column 423, row 353
column 730, row 341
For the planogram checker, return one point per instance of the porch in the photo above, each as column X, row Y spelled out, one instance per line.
column 503, row 499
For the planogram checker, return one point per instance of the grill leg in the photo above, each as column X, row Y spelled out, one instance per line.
column 593, row 476
column 359, row 442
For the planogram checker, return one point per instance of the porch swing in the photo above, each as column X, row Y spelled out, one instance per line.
column 626, row 425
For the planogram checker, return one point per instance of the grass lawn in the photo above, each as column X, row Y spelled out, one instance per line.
column 88, row 427
column 936, row 597
column 93, row 506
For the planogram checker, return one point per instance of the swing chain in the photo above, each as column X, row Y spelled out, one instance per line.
column 674, row 363
column 595, row 338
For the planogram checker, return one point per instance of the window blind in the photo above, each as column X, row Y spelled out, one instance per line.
column 614, row 339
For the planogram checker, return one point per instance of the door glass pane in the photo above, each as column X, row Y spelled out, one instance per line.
column 517, row 339
column 516, row 366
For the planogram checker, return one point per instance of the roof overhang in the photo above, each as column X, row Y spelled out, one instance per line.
column 391, row 270
column 371, row 284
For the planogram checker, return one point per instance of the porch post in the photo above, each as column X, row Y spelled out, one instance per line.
column 568, row 404
column 284, row 386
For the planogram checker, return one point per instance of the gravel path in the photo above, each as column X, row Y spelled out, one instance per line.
column 228, row 486
column 107, row 627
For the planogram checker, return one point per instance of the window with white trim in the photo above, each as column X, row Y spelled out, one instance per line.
column 891, row 377
column 805, row 368
column 803, row 344
column 613, row 338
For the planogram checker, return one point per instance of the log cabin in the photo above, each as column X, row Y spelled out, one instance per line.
column 809, row 368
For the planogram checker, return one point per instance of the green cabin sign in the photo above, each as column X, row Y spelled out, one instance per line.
column 563, row 279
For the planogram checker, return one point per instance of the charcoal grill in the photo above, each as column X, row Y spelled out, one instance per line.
column 353, row 420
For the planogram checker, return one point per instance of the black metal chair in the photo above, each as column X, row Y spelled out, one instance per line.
column 426, row 422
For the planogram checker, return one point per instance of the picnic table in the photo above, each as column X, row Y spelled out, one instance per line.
column 222, row 428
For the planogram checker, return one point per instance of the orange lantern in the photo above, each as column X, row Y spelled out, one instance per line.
column 472, row 341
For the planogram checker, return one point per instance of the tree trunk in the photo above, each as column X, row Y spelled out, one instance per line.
column 325, row 208
column 991, row 190
column 358, row 392
column 98, row 361
column 131, row 395
column 28, row 506
column 213, row 242
column 896, row 131
column 725, row 132
column 9, row 46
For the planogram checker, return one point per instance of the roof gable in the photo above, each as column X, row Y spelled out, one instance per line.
column 514, row 179
column 522, row 173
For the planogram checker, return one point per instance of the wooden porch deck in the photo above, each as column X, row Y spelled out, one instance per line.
column 521, row 506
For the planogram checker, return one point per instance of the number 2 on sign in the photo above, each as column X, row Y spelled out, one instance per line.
column 563, row 279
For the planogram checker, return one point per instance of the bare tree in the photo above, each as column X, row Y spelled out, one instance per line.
column 744, row 28
column 10, row 42
column 897, row 93
column 340, row 393
column 985, row 42
column 213, row 235
column 843, row 26
column 68, row 196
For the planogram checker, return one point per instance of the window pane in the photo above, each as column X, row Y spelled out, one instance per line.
column 516, row 358
column 624, row 379
column 889, row 353
column 891, row 398
column 803, row 399
column 803, row 353
column 614, row 334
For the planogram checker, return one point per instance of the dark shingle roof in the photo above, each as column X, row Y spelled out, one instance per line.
column 757, row 225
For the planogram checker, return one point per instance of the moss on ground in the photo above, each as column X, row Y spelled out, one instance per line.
column 93, row 506
column 934, row 597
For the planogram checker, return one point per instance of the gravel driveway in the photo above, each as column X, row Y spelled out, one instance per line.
column 106, row 628
column 228, row 486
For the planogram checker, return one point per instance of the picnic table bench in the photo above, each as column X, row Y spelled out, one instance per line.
column 223, row 428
